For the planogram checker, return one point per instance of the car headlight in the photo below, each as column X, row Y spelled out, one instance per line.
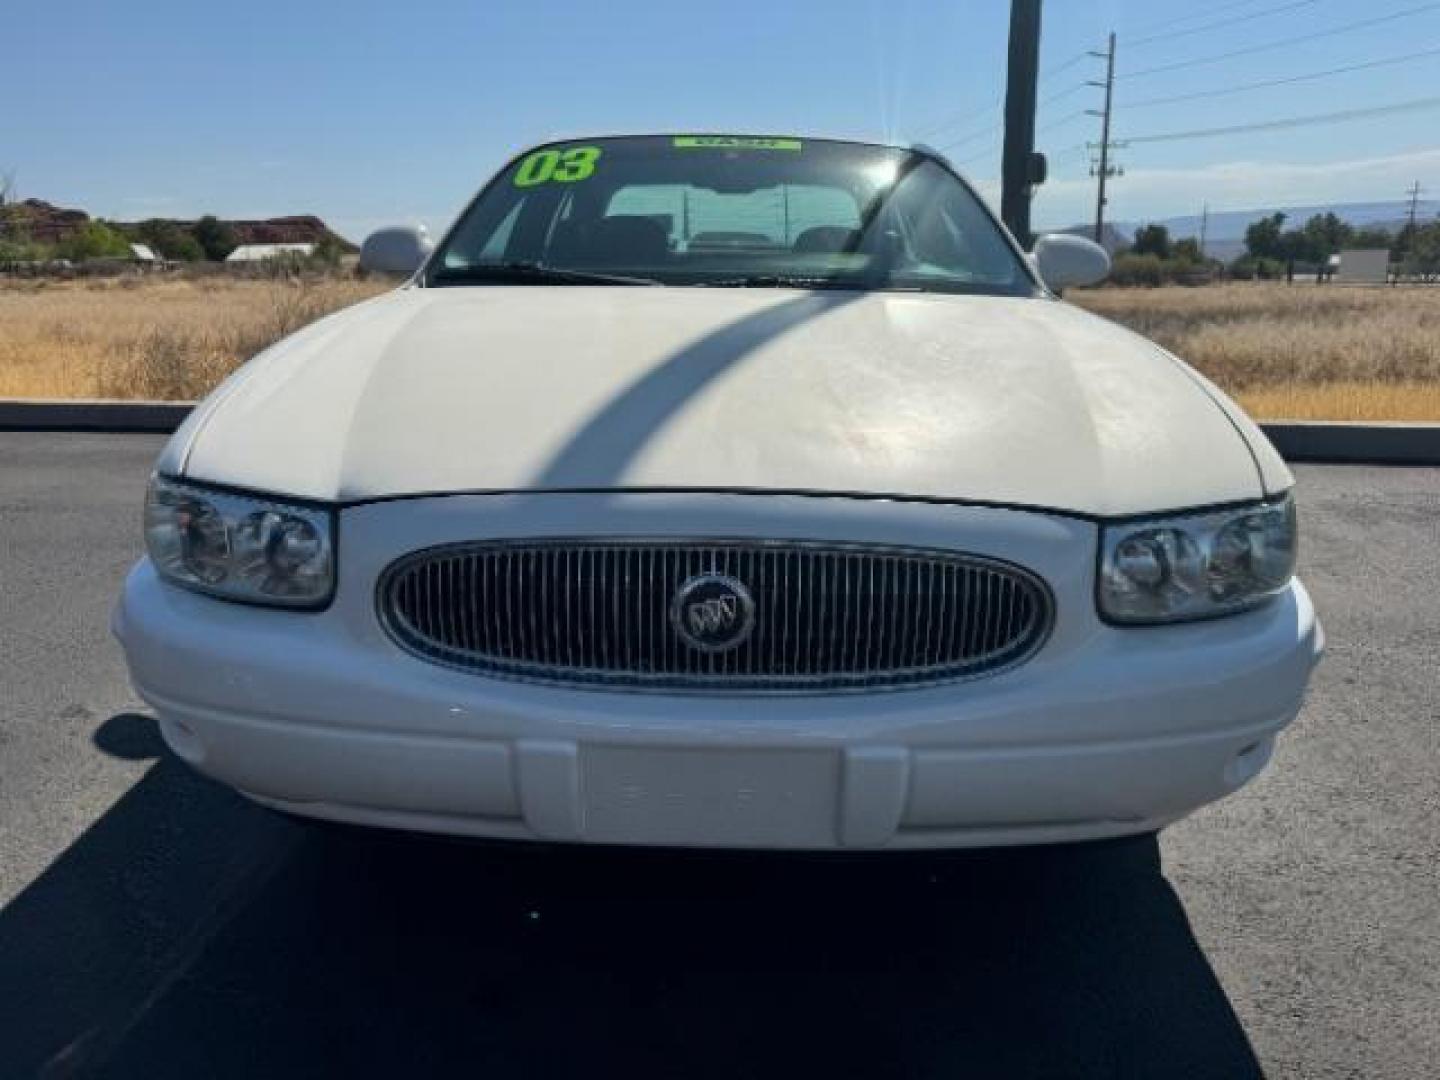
column 1194, row 566
column 240, row 547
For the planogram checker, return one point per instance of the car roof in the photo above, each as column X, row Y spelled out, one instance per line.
column 858, row 140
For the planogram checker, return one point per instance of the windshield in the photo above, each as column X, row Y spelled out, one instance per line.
column 722, row 211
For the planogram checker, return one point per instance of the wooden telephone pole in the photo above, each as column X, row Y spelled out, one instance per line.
column 1021, row 168
column 1104, row 170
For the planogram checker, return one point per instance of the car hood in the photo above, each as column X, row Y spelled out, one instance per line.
column 1004, row 400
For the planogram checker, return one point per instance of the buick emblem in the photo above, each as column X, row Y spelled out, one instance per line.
column 712, row 612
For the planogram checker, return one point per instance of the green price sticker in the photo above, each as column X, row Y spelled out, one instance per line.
column 557, row 166
column 733, row 142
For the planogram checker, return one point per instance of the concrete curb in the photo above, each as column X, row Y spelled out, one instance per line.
column 1297, row 440
column 1342, row 442
column 158, row 417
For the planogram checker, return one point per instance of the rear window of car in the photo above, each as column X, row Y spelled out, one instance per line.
column 771, row 217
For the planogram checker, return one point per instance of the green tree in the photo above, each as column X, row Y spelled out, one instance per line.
column 1132, row 269
column 1404, row 241
column 169, row 240
column 1263, row 237
column 93, row 240
column 1152, row 240
column 1423, row 254
column 1325, row 234
column 186, row 249
column 1370, row 238
column 1296, row 245
column 328, row 250
column 1187, row 250
column 15, row 249
column 215, row 237
column 16, row 244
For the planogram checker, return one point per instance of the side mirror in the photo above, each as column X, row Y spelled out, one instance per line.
column 398, row 251
column 1065, row 260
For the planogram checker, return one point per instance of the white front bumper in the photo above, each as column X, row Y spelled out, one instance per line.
column 1106, row 731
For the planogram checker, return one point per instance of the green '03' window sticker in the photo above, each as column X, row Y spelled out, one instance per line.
column 550, row 166
column 734, row 142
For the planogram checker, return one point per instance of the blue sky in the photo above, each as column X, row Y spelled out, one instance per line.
column 373, row 113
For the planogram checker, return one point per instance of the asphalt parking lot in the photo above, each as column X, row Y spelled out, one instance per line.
column 155, row 925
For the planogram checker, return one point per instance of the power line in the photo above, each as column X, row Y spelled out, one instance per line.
column 1281, row 82
column 1281, row 43
column 1218, row 23
column 956, row 117
column 1058, row 96
column 1196, row 62
column 950, row 121
column 1336, row 117
column 994, row 151
column 1291, row 122
column 995, row 127
column 1062, row 94
column 1081, row 148
column 972, row 137
column 1076, row 115
column 1050, row 73
column 1165, row 23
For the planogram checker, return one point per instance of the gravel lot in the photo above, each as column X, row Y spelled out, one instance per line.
column 156, row 926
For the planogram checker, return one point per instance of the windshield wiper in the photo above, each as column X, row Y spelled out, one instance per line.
column 518, row 270
column 782, row 281
column 797, row 281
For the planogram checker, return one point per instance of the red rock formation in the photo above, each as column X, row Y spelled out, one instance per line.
column 45, row 223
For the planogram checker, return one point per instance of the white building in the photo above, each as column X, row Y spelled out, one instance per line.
column 1370, row 267
column 249, row 253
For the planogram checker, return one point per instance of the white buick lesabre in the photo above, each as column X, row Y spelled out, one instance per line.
column 723, row 491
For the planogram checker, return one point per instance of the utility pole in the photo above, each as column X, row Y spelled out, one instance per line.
column 1021, row 168
column 1403, row 252
column 1204, row 226
column 1105, row 170
column 1414, row 191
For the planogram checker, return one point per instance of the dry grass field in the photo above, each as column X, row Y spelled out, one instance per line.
column 160, row 339
column 1297, row 352
column 1292, row 352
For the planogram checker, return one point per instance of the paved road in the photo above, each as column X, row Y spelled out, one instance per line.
column 156, row 926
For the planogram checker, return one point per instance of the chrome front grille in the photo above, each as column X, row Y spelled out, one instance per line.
column 597, row 612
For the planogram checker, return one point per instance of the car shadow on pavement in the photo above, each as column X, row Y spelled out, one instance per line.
column 188, row 934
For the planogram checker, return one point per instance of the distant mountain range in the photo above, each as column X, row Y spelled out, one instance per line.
column 1225, row 230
